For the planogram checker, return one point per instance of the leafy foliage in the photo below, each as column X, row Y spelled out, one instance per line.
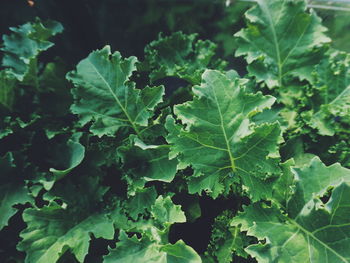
column 278, row 36
column 180, row 155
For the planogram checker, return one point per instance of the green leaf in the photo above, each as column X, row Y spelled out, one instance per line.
column 180, row 252
column 283, row 187
column 69, row 156
column 314, row 180
column 52, row 230
column 144, row 250
column 219, row 141
column 226, row 240
column 144, row 163
column 7, row 93
column 281, row 41
column 12, row 189
column 23, row 46
column 338, row 111
column 181, row 56
column 143, row 200
column 306, row 229
column 332, row 92
column 104, row 94
column 165, row 212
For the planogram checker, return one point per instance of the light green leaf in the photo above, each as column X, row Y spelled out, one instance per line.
column 306, row 230
column 12, row 189
column 165, row 212
column 313, row 181
column 181, row 56
column 23, row 46
column 281, row 41
column 104, row 94
column 144, row 250
column 180, row 253
column 219, row 141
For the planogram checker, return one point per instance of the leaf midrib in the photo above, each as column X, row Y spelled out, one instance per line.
column 116, row 99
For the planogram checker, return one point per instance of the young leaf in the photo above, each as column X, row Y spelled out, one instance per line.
column 281, row 41
column 219, row 141
column 103, row 93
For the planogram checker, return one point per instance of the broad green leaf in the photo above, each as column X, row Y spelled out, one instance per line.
column 181, row 56
column 12, row 189
column 23, row 46
column 281, row 41
column 306, row 230
column 219, row 141
column 144, row 250
column 314, row 180
column 104, row 94
column 7, row 92
column 53, row 229
column 144, row 163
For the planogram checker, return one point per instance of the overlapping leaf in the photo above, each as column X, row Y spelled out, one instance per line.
column 153, row 246
column 53, row 229
column 134, row 250
column 332, row 88
column 182, row 56
column 281, row 41
column 219, row 141
column 307, row 230
column 12, row 189
column 144, row 163
column 26, row 42
column 105, row 94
